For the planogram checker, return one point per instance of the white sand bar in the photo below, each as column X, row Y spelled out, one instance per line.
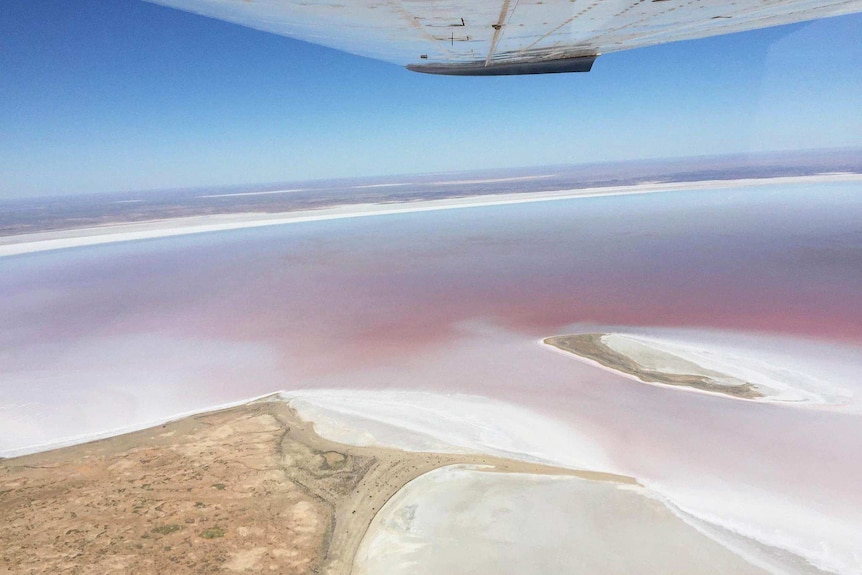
column 53, row 240
column 457, row 423
column 464, row 520
column 777, row 372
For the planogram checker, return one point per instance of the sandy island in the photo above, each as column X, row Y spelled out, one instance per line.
column 594, row 346
column 725, row 364
column 60, row 239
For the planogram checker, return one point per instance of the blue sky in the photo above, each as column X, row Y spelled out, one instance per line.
column 117, row 95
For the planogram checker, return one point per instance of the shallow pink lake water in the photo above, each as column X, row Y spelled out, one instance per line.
column 97, row 338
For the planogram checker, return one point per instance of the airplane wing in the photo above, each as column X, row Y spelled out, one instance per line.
column 493, row 37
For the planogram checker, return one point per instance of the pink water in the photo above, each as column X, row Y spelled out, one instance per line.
column 97, row 338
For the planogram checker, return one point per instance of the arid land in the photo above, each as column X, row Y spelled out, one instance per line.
column 247, row 489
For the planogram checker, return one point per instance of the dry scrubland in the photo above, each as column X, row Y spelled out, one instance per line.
column 247, row 489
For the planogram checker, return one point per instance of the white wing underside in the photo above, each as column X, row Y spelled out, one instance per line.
column 505, row 36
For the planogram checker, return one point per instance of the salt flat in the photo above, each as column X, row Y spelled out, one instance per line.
column 460, row 519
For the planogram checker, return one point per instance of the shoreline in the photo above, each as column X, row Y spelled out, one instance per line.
column 371, row 418
column 187, row 483
column 333, row 491
column 108, row 434
column 112, row 233
column 425, row 460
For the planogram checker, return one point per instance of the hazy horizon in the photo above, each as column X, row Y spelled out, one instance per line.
column 102, row 96
column 846, row 158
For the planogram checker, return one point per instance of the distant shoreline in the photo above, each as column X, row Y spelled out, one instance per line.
column 111, row 233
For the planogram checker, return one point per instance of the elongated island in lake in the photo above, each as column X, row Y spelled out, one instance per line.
column 650, row 364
